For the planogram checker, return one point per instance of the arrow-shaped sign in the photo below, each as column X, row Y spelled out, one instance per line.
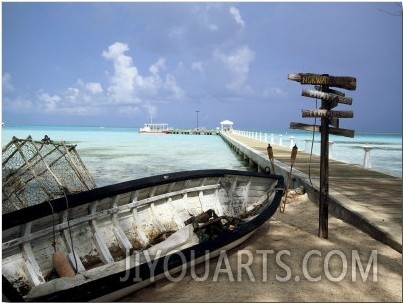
column 332, row 91
column 316, row 128
column 345, row 82
column 326, row 96
column 323, row 113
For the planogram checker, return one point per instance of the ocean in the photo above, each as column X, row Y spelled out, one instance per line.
column 120, row 154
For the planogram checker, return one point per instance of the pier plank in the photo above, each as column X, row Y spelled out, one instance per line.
column 375, row 196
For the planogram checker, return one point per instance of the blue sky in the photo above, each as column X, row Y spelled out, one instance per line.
column 117, row 64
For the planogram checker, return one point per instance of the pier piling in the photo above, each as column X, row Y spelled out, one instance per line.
column 367, row 156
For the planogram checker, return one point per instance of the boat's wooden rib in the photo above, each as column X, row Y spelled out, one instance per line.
column 101, row 246
column 175, row 216
column 121, row 237
column 63, row 227
column 32, row 267
column 102, row 249
column 247, row 193
column 65, row 238
column 75, row 261
column 72, row 256
column 158, row 228
column 97, row 229
column 139, row 231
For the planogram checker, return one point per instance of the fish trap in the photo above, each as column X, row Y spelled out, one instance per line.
column 37, row 171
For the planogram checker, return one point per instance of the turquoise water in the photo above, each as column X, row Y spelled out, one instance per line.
column 119, row 154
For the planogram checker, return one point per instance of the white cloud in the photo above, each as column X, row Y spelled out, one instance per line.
column 6, row 83
column 125, row 74
column 157, row 66
column 128, row 86
column 127, row 91
column 94, row 88
column 236, row 15
column 72, row 102
column 237, row 63
column 49, row 102
column 171, row 86
column 202, row 15
column 72, row 94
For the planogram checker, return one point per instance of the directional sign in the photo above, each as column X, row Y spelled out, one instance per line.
column 332, row 91
column 323, row 113
column 326, row 96
column 315, row 128
column 345, row 82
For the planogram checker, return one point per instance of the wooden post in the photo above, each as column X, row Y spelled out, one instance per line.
column 324, row 172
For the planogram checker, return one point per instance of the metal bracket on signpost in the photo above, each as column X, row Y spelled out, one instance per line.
column 330, row 99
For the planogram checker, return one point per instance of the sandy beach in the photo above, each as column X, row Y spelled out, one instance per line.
column 286, row 261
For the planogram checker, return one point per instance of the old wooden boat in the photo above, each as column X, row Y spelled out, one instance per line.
column 107, row 242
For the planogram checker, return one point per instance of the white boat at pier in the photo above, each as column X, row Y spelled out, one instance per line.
column 155, row 128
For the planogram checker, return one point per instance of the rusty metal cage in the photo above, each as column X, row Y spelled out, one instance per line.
column 38, row 171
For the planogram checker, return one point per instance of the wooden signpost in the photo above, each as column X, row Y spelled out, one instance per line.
column 330, row 99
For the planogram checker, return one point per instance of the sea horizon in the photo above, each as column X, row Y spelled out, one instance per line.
column 380, row 132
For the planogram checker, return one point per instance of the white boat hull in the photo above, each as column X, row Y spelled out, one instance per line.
column 120, row 230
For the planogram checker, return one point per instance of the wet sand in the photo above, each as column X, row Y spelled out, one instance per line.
column 289, row 262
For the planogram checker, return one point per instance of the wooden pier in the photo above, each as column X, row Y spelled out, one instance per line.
column 367, row 199
column 193, row 132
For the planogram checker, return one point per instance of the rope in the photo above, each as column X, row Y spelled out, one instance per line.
column 53, row 226
column 313, row 140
